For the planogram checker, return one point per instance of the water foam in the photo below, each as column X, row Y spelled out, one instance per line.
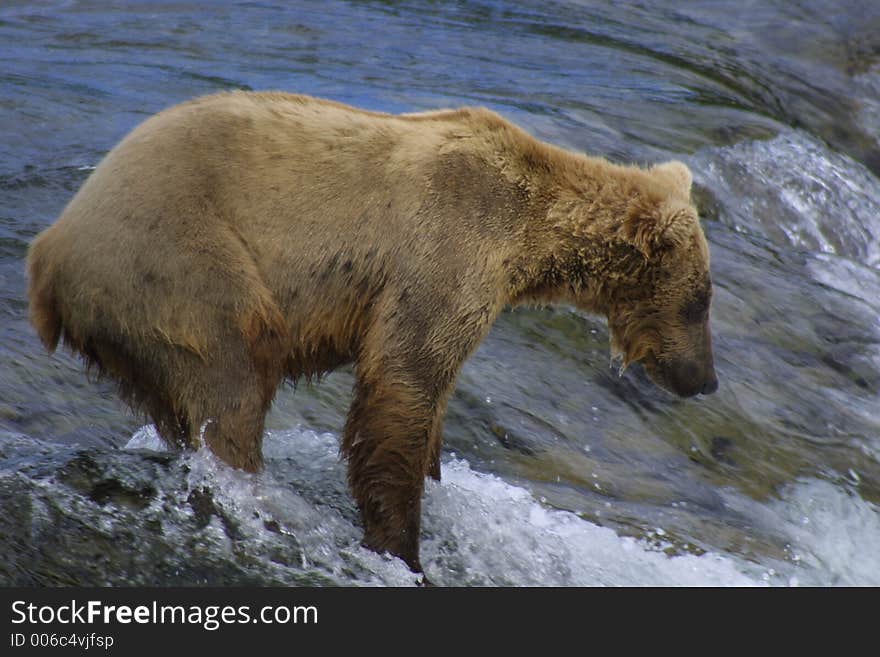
column 796, row 191
column 480, row 530
column 483, row 531
column 833, row 534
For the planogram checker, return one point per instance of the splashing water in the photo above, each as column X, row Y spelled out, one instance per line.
column 480, row 530
column 793, row 190
column 563, row 473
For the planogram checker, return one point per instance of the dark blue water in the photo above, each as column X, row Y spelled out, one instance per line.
column 558, row 471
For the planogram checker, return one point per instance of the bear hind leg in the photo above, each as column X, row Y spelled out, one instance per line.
column 144, row 383
column 235, row 433
column 391, row 441
column 223, row 402
column 227, row 405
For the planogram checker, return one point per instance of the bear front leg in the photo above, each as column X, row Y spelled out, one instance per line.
column 435, row 439
column 406, row 369
column 386, row 440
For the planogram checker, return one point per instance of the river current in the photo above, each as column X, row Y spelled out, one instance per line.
column 557, row 471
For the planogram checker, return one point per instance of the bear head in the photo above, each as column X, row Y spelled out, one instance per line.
column 659, row 312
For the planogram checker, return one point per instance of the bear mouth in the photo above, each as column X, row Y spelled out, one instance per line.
column 677, row 377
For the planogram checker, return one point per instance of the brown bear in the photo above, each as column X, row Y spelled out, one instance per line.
column 241, row 239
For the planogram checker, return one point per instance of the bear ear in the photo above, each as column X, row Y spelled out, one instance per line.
column 652, row 230
column 676, row 174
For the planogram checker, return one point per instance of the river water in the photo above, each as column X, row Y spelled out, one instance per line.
column 557, row 471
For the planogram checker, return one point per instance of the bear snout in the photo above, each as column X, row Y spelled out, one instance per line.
column 684, row 378
column 711, row 384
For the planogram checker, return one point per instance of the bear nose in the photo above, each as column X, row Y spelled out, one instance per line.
column 710, row 386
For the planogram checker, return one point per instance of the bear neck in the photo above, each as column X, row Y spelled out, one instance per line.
column 573, row 249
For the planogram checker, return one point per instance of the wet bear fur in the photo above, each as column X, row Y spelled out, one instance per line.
column 241, row 239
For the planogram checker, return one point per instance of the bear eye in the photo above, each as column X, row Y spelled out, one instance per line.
column 695, row 310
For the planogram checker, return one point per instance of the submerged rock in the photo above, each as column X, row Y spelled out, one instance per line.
column 122, row 517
